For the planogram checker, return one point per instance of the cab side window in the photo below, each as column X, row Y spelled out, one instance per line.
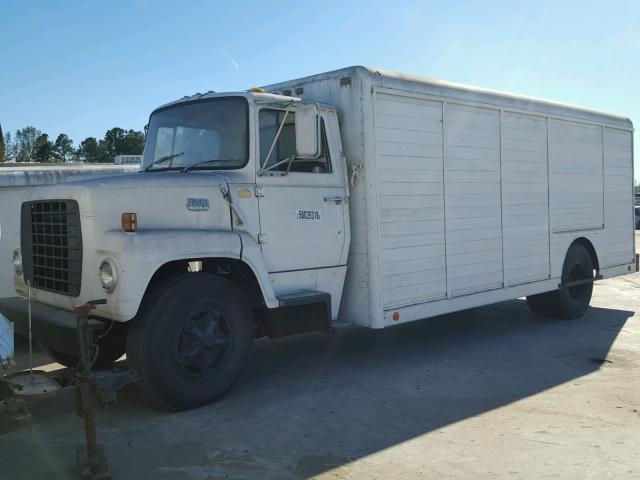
column 270, row 121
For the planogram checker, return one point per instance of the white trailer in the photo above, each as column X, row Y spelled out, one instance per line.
column 361, row 196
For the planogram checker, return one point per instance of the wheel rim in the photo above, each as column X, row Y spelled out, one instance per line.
column 577, row 292
column 203, row 343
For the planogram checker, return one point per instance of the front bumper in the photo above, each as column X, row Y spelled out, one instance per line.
column 55, row 328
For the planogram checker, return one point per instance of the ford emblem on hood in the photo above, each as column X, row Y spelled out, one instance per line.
column 198, row 204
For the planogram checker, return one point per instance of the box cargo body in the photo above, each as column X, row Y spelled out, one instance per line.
column 462, row 196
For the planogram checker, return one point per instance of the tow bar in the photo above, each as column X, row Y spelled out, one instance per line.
column 80, row 389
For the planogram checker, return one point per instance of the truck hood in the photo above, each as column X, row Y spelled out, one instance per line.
column 178, row 214
column 161, row 200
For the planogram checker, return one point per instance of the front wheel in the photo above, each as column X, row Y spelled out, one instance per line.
column 191, row 341
column 111, row 347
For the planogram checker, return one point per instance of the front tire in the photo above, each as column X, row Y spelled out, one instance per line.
column 111, row 347
column 191, row 341
column 68, row 360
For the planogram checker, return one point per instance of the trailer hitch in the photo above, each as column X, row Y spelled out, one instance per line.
column 96, row 389
column 81, row 387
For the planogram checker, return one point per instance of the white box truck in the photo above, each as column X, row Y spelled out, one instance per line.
column 359, row 195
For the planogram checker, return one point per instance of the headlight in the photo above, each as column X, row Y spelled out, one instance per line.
column 108, row 275
column 17, row 261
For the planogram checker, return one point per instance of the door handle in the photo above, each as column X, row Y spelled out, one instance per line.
column 338, row 199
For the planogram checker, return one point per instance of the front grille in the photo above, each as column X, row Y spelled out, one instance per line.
column 51, row 242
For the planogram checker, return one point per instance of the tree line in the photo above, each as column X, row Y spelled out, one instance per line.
column 29, row 144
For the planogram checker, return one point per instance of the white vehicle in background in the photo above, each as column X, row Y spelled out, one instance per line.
column 359, row 195
column 127, row 159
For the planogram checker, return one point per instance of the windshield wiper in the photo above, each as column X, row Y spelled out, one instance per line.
column 163, row 159
column 211, row 160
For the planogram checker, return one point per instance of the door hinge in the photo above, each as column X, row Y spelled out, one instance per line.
column 259, row 191
column 262, row 238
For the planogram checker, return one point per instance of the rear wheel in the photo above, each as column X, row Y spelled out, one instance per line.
column 539, row 304
column 573, row 301
column 570, row 301
column 191, row 341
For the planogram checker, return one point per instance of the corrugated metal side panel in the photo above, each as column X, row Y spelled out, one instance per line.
column 618, row 205
column 525, row 198
column 409, row 159
column 576, row 177
column 473, row 197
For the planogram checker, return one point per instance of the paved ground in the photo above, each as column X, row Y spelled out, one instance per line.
column 492, row 392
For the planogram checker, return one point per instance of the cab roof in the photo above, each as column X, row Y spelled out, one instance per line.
column 256, row 97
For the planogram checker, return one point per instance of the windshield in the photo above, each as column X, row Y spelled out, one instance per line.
column 212, row 133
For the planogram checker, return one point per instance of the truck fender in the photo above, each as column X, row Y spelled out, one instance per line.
column 144, row 253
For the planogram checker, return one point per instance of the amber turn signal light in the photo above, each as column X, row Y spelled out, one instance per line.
column 129, row 222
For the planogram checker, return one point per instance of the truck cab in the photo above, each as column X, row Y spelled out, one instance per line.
column 237, row 221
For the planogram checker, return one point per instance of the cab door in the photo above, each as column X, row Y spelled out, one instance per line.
column 302, row 202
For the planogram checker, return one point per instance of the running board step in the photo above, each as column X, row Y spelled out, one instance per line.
column 304, row 298
column 298, row 313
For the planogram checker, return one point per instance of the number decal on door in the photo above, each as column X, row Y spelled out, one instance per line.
column 308, row 215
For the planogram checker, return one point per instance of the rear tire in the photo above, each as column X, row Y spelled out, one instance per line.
column 573, row 302
column 539, row 304
column 191, row 341
column 568, row 302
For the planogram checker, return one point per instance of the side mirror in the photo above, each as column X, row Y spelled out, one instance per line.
column 307, row 131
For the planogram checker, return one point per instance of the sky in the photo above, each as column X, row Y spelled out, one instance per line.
column 82, row 67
